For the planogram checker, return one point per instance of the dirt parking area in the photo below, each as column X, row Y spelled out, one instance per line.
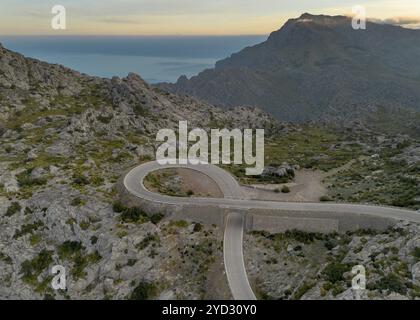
column 306, row 187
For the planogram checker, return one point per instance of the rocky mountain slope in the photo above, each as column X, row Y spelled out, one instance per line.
column 65, row 139
column 297, row 265
column 316, row 65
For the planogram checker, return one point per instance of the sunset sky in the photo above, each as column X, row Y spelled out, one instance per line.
column 184, row 17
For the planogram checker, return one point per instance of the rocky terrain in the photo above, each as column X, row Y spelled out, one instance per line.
column 317, row 67
column 298, row 265
column 65, row 140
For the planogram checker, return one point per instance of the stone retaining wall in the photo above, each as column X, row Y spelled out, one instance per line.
column 273, row 221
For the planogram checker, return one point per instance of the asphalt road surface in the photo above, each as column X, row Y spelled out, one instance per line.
column 234, row 199
column 234, row 258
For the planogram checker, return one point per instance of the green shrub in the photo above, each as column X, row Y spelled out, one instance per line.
column 94, row 257
column 69, row 249
column 25, row 180
column 337, row 289
column 75, row 252
column 156, row 218
column 118, row 207
column 285, row 189
column 13, row 208
column 93, row 240
column 79, row 264
column 390, row 282
column 97, row 180
column 84, row 225
column 140, row 110
column 149, row 239
column 28, row 228
column 104, row 119
column 305, row 287
column 298, row 235
column 325, row 198
column 77, row 202
column 334, row 271
column 198, row 227
column 35, row 239
column 330, row 244
column 5, row 258
column 31, row 269
column 144, row 291
column 416, row 253
column 80, row 179
column 81, row 261
column 133, row 215
column 131, row 262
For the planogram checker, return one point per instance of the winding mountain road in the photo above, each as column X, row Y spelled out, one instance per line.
column 234, row 258
column 234, row 199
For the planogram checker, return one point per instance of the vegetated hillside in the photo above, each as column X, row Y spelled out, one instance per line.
column 309, row 266
column 65, row 139
column 316, row 65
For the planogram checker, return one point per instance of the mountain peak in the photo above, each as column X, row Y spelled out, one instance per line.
column 308, row 20
column 321, row 19
column 307, row 15
column 312, row 63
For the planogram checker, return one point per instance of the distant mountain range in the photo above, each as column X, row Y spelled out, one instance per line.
column 314, row 67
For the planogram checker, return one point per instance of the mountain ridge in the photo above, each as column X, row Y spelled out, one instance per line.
column 315, row 64
column 35, row 87
column 66, row 141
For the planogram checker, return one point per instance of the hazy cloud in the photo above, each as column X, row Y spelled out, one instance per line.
column 148, row 17
column 119, row 20
column 410, row 22
column 402, row 20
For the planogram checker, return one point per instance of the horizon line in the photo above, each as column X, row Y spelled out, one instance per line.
column 135, row 35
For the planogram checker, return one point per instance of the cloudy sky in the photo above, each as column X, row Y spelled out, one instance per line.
column 185, row 17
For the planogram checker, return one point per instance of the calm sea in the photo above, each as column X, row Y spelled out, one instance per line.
column 156, row 59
